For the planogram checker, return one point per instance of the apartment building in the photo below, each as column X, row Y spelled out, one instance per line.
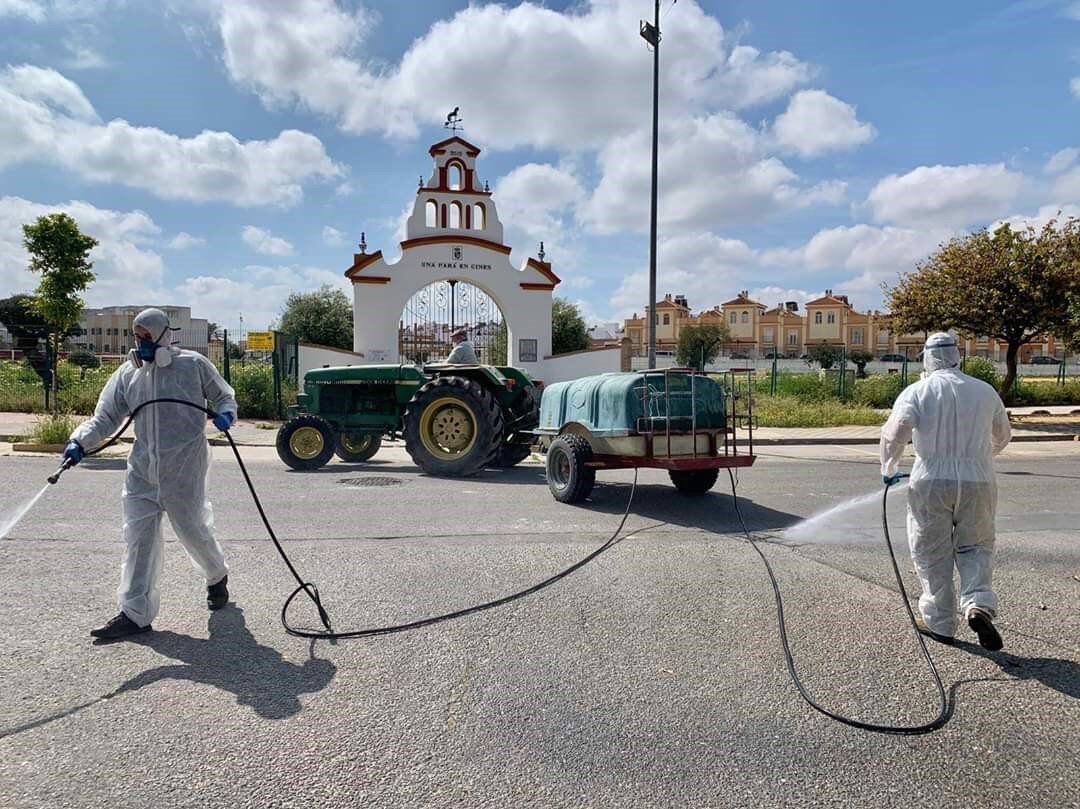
column 759, row 332
column 109, row 330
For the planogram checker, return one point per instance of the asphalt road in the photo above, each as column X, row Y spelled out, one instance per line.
column 652, row 677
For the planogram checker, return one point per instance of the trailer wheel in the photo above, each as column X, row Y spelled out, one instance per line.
column 357, row 447
column 305, row 442
column 569, row 479
column 694, row 481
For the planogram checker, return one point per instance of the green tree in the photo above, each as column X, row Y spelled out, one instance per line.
column 1011, row 285
column 26, row 326
column 860, row 358
column 824, row 355
column 568, row 331
column 498, row 346
column 699, row 344
column 84, row 359
column 323, row 316
column 59, row 252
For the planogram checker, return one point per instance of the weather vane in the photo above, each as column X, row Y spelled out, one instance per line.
column 453, row 121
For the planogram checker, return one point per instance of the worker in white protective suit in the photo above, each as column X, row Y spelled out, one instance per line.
column 167, row 467
column 958, row 424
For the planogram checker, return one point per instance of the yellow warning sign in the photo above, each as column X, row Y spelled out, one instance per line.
column 260, row 341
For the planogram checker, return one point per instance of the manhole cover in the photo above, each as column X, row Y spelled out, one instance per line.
column 373, row 480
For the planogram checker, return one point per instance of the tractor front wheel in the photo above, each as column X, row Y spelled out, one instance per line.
column 694, row 481
column 453, row 427
column 357, row 447
column 305, row 442
column 568, row 477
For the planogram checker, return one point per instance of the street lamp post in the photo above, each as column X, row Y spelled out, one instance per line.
column 650, row 32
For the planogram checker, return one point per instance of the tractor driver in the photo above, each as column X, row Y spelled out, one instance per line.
column 462, row 353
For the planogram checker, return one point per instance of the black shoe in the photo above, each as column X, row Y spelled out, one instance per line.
column 920, row 624
column 217, row 595
column 119, row 627
column 981, row 625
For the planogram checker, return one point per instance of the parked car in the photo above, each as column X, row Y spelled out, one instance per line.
column 1045, row 359
column 738, row 355
column 775, row 355
column 892, row 358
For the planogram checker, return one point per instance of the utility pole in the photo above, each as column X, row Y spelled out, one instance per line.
column 651, row 34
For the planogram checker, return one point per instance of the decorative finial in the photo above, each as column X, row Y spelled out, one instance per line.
column 453, row 121
column 363, row 243
column 541, row 253
column 487, row 188
column 420, row 183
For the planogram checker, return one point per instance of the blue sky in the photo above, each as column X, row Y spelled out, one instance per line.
column 227, row 153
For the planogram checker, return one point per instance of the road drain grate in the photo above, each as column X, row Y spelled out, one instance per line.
column 373, row 480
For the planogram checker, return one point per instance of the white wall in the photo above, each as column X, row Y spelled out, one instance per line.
column 579, row 364
column 316, row 356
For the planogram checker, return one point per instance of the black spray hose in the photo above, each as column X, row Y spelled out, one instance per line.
column 313, row 592
column 945, row 711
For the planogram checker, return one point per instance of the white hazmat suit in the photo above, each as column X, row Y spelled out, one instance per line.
column 167, row 467
column 958, row 424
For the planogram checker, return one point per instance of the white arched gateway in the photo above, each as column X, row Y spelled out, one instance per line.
column 454, row 272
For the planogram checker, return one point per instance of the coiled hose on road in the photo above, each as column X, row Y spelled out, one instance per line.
column 312, row 590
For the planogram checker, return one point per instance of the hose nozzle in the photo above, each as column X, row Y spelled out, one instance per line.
column 64, row 466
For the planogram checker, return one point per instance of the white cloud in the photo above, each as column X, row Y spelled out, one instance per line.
column 1072, row 11
column 127, row 269
column 716, row 170
column 311, row 53
column 1074, row 86
column 258, row 291
column 263, row 241
column 129, row 272
column 45, row 117
column 185, row 241
column 332, row 237
column 82, row 56
column 1061, row 160
column 704, row 267
column 1038, row 219
column 945, row 196
column 538, row 203
column 815, row 123
column 345, row 189
column 579, row 281
column 30, row 9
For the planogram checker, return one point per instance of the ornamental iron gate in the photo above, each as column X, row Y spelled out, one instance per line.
column 433, row 313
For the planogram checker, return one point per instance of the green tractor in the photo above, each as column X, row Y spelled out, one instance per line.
column 456, row 419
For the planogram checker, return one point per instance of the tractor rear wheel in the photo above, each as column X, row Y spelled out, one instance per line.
column 453, row 427
column 694, row 481
column 568, row 477
column 357, row 447
column 305, row 442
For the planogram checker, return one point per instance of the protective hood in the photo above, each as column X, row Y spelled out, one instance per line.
column 940, row 352
column 157, row 323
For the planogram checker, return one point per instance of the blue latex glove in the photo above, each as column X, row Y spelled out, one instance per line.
column 892, row 479
column 223, row 421
column 73, row 452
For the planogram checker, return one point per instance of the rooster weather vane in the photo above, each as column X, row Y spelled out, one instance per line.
column 453, row 120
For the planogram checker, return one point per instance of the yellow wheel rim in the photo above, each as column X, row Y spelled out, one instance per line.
column 355, row 444
column 447, row 429
column 306, row 443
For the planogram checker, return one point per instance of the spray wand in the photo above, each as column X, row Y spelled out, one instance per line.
column 65, row 465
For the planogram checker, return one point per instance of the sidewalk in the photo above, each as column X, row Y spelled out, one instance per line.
column 773, row 436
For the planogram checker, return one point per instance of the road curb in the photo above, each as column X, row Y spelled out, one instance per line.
column 780, row 442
